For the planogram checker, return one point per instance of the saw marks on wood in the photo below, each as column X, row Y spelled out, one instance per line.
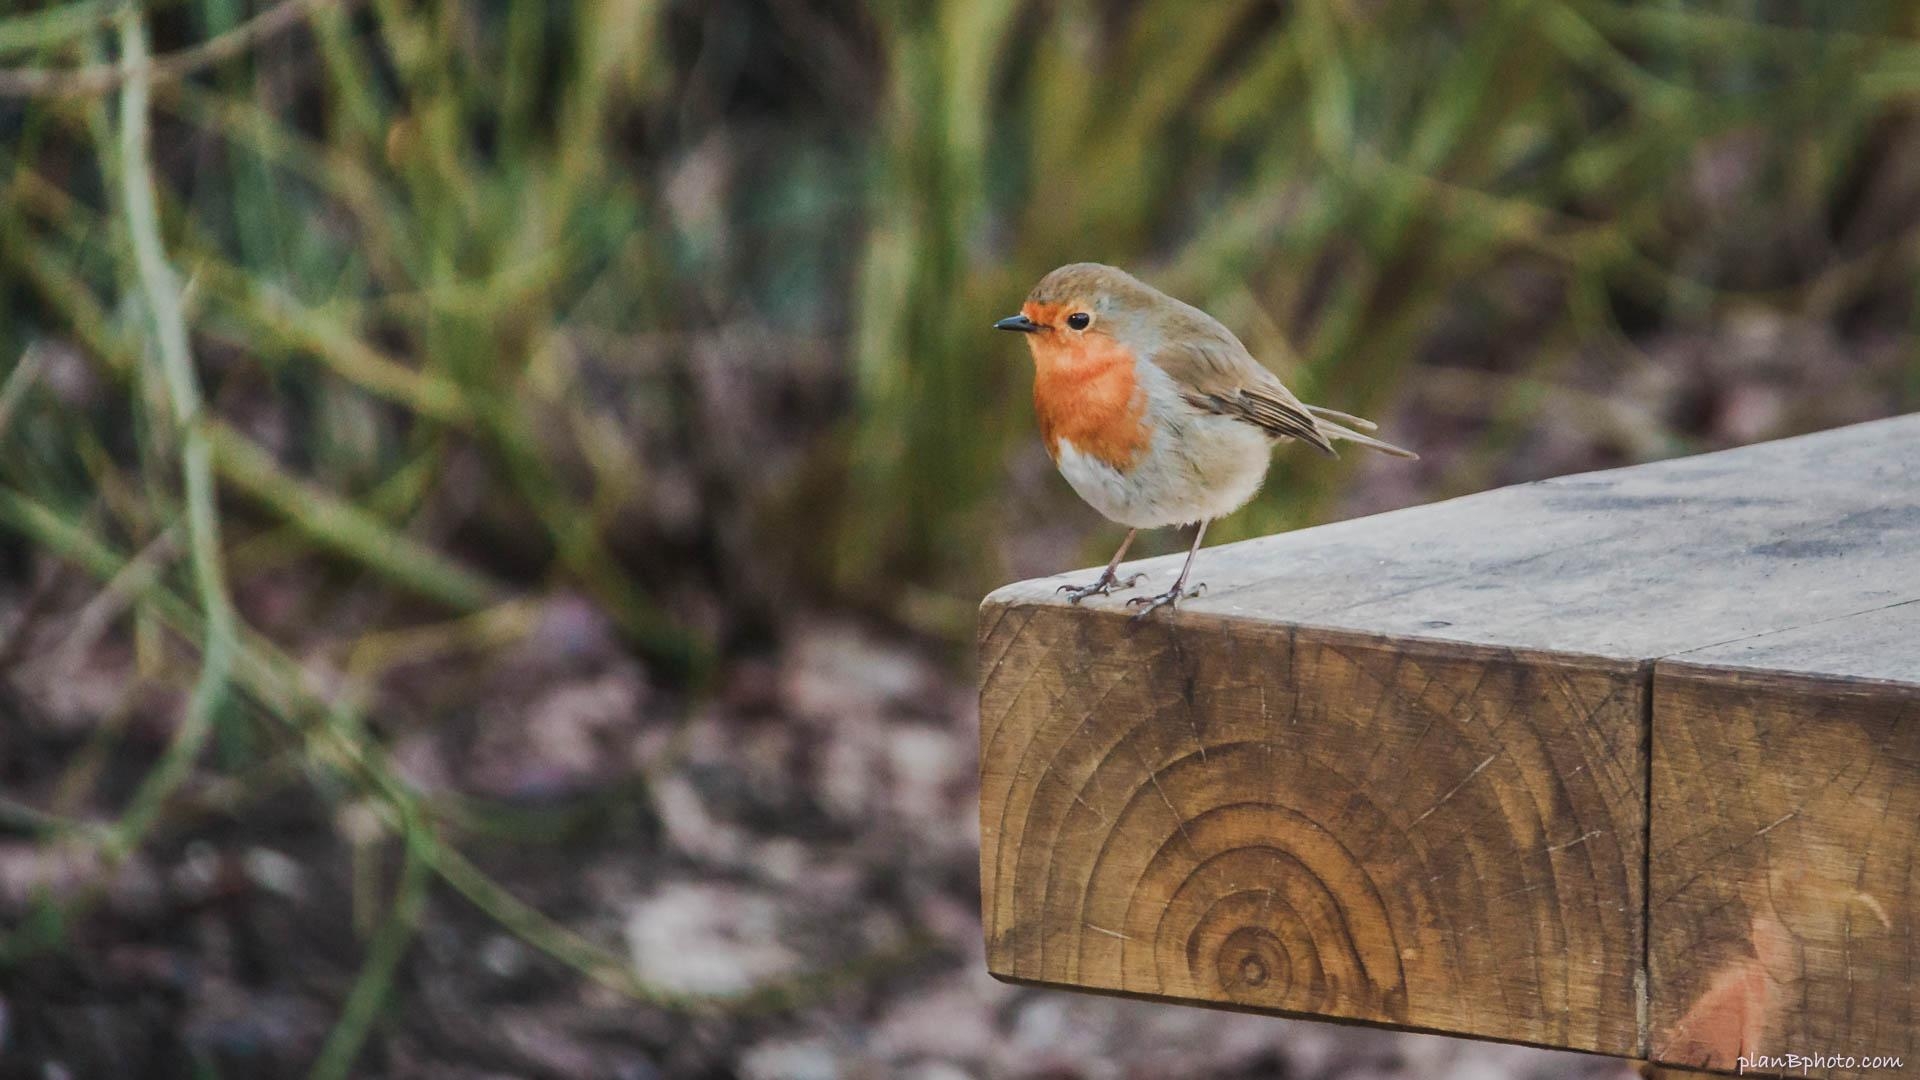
column 1442, row 837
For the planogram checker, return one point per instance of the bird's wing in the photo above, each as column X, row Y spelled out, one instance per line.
column 1215, row 372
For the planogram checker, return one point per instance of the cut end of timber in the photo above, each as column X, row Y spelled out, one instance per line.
column 1439, row 838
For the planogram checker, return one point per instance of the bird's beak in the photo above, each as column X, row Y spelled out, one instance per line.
column 1018, row 322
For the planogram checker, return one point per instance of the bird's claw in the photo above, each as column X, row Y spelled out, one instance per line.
column 1106, row 584
column 1169, row 599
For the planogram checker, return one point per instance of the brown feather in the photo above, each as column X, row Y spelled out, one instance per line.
column 1263, row 412
column 1217, row 373
column 1355, row 422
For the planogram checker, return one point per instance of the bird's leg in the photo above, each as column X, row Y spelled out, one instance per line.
column 1107, row 582
column 1179, row 592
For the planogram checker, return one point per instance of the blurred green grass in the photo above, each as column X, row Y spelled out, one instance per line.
column 415, row 233
column 685, row 306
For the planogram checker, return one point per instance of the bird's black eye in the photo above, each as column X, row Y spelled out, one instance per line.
column 1079, row 320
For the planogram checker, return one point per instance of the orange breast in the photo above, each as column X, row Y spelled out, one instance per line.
column 1085, row 392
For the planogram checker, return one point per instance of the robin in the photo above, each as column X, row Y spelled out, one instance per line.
column 1155, row 413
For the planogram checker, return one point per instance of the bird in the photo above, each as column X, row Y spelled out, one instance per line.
column 1156, row 414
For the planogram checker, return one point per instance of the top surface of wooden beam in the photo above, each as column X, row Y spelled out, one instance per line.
column 1746, row 553
column 1877, row 646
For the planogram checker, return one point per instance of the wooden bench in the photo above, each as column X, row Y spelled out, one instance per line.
column 1625, row 762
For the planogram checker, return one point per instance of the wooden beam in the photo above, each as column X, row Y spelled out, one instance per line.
column 1650, row 1071
column 1786, row 822
column 1426, row 834
column 1395, row 770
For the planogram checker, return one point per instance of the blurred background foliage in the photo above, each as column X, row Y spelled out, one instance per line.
column 346, row 337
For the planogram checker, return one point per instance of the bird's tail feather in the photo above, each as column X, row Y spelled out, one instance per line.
column 1346, row 434
column 1357, row 423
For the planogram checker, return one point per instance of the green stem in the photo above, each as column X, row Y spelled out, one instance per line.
column 389, row 946
column 162, row 294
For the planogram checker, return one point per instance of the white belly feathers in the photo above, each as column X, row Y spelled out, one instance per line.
column 1208, row 472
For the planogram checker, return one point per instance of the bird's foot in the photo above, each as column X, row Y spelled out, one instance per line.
column 1169, row 599
column 1108, row 582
